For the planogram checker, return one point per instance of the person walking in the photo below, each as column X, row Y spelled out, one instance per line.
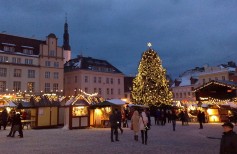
column 17, row 126
column 228, row 143
column 119, row 119
column 4, row 117
column 12, row 120
column 173, row 118
column 182, row 117
column 143, row 121
column 114, row 126
column 135, row 124
column 200, row 119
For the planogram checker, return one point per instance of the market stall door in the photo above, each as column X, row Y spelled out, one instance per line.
column 54, row 116
column 43, row 116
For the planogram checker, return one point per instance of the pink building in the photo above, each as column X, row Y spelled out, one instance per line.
column 93, row 76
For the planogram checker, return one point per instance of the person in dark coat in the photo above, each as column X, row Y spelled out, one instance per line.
column 182, row 117
column 119, row 118
column 229, row 139
column 114, row 126
column 4, row 117
column 200, row 119
column 17, row 126
column 173, row 118
column 12, row 120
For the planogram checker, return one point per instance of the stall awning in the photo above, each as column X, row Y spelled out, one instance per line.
column 116, row 101
column 104, row 104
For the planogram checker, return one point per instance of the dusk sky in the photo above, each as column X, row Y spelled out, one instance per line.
column 184, row 33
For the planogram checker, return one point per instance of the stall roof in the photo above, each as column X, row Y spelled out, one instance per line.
column 116, row 101
column 230, row 84
column 104, row 104
column 78, row 102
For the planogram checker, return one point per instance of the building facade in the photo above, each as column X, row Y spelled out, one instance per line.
column 91, row 76
column 184, row 85
column 30, row 65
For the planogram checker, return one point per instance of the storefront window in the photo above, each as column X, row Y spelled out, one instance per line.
column 79, row 111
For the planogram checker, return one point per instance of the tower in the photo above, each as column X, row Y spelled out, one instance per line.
column 66, row 46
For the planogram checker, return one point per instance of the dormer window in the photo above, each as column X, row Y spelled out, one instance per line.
column 28, row 51
column 8, row 47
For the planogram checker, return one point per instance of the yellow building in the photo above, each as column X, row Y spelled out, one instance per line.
column 30, row 65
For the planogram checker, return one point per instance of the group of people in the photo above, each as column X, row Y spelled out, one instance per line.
column 16, row 125
column 4, row 119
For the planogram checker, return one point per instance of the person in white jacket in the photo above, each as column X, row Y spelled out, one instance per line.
column 143, row 120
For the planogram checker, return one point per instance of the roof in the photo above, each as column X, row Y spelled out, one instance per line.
column 103, row 104
column 88, row 63
column 230, row 84
column 20, row 42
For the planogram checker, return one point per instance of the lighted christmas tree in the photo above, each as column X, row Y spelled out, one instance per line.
column 150, row 86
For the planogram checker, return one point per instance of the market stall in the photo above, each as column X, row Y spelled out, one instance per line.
column 100, row 112
column 42, row 112
column 76, row 113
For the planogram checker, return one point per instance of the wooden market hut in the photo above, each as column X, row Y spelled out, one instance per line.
column 43, row 111
column 100, row 112
column 215, row 93
column 76, row 113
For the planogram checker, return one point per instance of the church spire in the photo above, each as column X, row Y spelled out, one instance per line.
column 66, row 45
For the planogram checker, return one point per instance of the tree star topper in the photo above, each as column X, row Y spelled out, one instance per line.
column 149, row 44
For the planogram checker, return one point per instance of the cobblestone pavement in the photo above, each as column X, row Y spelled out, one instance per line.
column 161, row 140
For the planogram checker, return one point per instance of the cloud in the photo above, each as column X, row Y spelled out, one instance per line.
column 185, row 34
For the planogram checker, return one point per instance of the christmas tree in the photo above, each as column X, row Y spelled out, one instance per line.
column 150, row 86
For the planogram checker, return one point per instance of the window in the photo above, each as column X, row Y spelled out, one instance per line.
column 3, row 72
column 86, row 79
column 28, row 51
column 95, row 90
column 216, row 78
column 177, row 95
column 94, row 79
column 184, row 94
column 118, row 81
column 30, row 86
column 107, row 91
column 47, row 75
column 112, row 91
column 188, row 93
column 16, row 86
column 107, row 80
column 31, row 73
column 2, row 86
column 100, row 91
column 99, row 80
column 3, row 59
column 16, row 60
column 181, row 95
column 223, row 77
column 8, row 48
column 17, row 72
column 47, row 87
column 52, row 53
column 209, row 79
column 86, row 90
column 203, row 81
column 56, row 64
column 55, row 75
column 47, row 63
column 55, row 87
column 28, row 61
column 119, row 91
column 111, row 81
column 75, row 79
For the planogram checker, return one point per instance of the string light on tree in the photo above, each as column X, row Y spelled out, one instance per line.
column 150, row 86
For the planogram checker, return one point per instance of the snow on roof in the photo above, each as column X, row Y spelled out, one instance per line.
column 77, row 64
column 117, row 101
column 29, row 47
column 9, row 44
